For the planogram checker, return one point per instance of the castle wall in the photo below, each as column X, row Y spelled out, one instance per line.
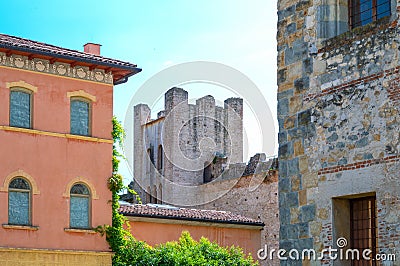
column 191, row 135
column 250, row 197
column 338, row 125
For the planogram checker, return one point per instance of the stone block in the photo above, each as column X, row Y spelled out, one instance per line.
column 297, row 133
column 296, row 52
column 294, row 215
column 301, row 84
column 298, row 148
column 296, row 183
column 290, row 122
column 281, row 75
column 285, row 150
column 305, row 243
column 295, row 104
column 310, row 180
column 304, row 230
column 282, row 137
column 292, row 231
column 284, row 184
column 283, row 106
column 292, row 199
column 323, row 213
column 285, row 94
column 291, row 28
column 308, row 68
column 284, row 215
column 315, row 228
column 303, row 197
column 293, row 167
column 282, row 168
column 287, row 12
column 304, row 117
column 303, row 164
column 286, row 245
column 307, row 213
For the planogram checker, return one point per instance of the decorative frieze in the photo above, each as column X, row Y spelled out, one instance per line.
column 55, row 68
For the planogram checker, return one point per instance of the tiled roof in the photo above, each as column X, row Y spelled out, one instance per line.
column 169, row 212
column 25, row 45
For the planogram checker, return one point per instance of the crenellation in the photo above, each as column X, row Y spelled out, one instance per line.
column 174, row 97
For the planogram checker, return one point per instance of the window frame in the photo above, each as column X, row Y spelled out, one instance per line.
column 354, row 225
column 29, row 191
column 89, row 102
column 89, row 197
column 30, row 93
column 374, row 16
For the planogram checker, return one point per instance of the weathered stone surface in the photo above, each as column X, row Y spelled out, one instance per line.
column 343, row 133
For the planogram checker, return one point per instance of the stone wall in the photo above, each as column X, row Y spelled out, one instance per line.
column 188, row 138
column 251, row 198
column 338, row 103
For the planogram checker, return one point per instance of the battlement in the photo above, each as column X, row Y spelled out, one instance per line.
column 205, row 106
column 181, row 144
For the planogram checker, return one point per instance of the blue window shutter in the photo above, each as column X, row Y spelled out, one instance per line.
column 79, row 212
column 20, row 109
column 80, row 117
column 18, row 208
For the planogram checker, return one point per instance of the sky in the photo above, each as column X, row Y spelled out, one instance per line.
column 159, row 34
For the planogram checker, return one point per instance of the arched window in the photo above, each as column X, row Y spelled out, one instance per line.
column 20, row 108
column 19, row 202
column 79, row 207
column 207, row 173
column 160, row 158
column 150, row 153
column 80, row 116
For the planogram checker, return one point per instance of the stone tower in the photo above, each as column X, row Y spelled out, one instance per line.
column 338, row 112
column 188, row 144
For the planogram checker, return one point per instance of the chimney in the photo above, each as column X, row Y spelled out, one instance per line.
column 92, row 48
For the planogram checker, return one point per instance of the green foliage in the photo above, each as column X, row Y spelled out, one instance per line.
column 128, row 251
column 183, row 252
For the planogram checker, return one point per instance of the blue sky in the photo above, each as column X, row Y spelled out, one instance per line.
column 159, row 34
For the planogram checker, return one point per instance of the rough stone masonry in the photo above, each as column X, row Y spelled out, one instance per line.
column 339, row 137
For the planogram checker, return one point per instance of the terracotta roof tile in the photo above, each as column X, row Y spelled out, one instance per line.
column 170, row 212
column 21, row 44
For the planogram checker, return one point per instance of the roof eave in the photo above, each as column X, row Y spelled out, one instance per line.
column 133, row 68
column 256, row 224
column 125, row 78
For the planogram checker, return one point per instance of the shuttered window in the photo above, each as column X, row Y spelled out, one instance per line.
column 20, row 108
column 19, row 202
column 80, row 206
column 80, row 117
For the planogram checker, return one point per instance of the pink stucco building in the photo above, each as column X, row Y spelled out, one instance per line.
column 56, row 107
